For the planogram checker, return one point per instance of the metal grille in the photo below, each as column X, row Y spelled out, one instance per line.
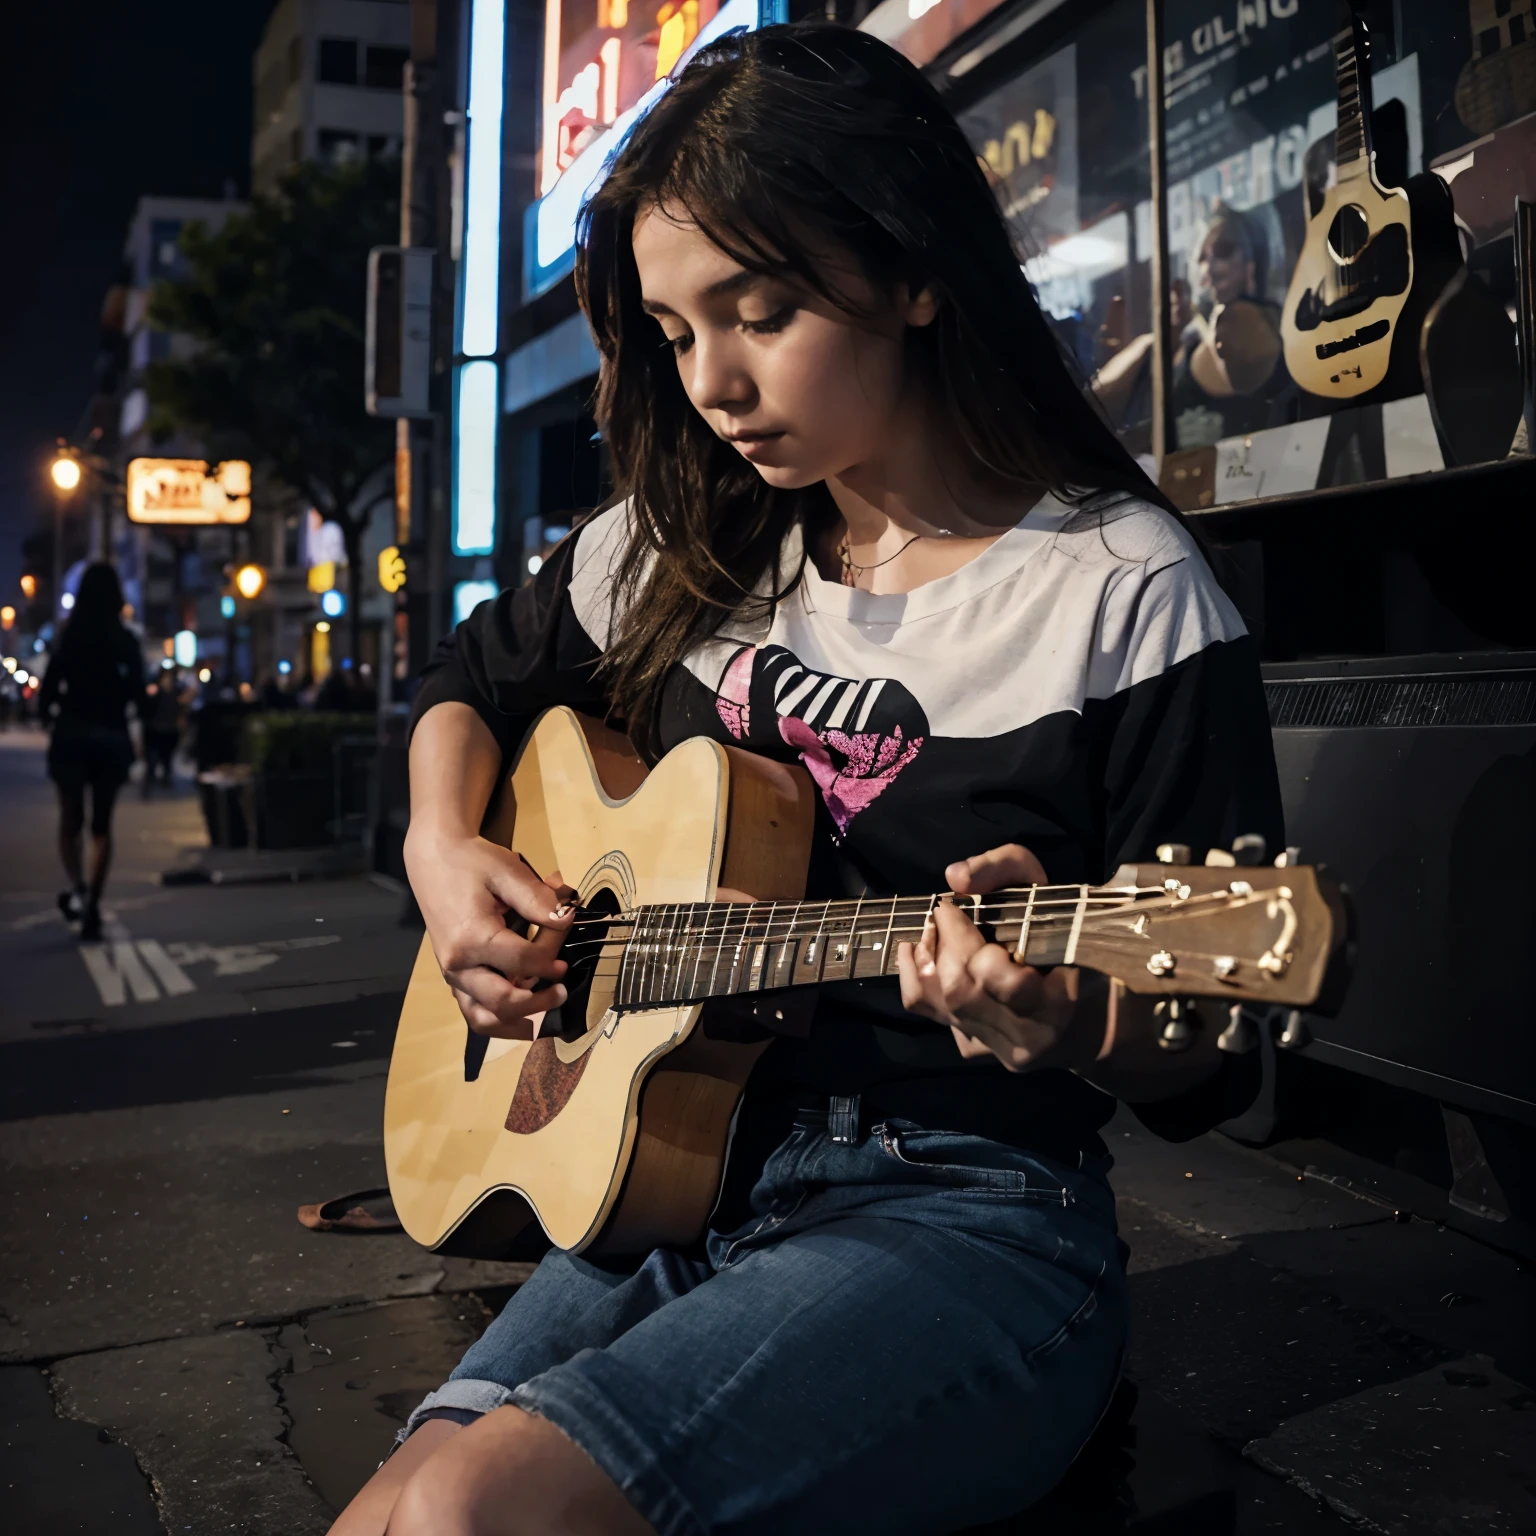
column 1403, row 701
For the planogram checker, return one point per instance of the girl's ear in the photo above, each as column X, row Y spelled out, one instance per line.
column 919, row 305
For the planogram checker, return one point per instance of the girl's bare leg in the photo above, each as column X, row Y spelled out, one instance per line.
column 368, row 1513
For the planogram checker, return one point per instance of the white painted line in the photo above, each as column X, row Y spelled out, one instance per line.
column 170, row 975
column 116, row 969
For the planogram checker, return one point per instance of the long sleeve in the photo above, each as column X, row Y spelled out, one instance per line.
column 1187, row 758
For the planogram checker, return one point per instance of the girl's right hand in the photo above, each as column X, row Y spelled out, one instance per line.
column 467, row 887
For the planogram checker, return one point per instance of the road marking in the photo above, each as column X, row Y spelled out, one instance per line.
column 117, row 970
column 170, row 975
column 122, row 965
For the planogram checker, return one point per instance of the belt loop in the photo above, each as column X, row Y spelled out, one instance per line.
column 843, row 1119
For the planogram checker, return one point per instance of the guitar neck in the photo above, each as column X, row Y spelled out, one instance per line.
column 1352, row 67
column 687, row 953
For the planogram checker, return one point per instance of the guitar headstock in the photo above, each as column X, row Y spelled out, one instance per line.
column 1246, row 933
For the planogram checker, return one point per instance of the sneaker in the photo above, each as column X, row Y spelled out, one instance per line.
column 72, row 905
column 90, row 922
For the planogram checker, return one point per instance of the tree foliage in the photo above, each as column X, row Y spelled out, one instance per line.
column 275, row 302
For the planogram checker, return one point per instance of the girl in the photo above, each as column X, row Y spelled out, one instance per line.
column 93, row 676
column 868, row 523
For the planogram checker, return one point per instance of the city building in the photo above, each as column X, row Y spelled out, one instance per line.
column 172, row 576
column 328, row 75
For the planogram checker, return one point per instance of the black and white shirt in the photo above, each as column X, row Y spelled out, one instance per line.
column 1083, row 687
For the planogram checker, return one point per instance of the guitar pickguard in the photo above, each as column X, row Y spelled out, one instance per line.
column 1381, row 271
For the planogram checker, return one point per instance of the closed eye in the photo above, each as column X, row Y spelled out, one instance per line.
column 773, row 324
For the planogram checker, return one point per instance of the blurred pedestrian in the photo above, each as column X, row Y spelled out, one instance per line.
column 162, row 730
column 95, row 673
column 335, row 695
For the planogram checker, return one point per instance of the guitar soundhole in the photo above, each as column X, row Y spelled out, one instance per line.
column 584, row 952
column 1349, row 234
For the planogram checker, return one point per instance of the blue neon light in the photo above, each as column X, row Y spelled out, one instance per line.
column 468, row 595
column 549, row 228
column 480, row 302
column 333, row 603
column 474, row 459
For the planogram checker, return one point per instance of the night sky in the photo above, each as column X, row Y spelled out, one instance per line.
column 104, row 102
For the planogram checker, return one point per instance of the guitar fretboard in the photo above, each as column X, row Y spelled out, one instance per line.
column 686, row 953
column 1351, row 142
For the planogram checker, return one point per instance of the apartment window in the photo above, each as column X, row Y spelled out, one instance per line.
column 385, row 68
column 338, row 61
column 339, row 147
column 164, row 251
column 382, row 145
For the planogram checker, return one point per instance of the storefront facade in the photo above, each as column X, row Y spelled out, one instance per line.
column 1350, row 483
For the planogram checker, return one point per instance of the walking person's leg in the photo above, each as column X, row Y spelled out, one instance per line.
column 103, row 798
column 71, row 825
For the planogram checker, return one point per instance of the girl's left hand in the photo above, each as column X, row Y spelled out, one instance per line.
column 993, row 1005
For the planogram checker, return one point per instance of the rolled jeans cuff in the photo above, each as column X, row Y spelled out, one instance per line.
column 465, row 1396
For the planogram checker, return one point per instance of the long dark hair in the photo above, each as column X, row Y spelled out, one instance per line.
column 778, row 144
column 97, row 614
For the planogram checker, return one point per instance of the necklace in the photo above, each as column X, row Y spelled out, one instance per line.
column 851, row 568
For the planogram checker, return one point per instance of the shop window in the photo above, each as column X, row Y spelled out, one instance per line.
column 1271, row 329
column 1063, row 141
column 384, row 68
column 338, row 61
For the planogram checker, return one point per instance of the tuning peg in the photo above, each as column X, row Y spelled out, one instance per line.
column 1177, row 1019
column 1173, row 853
column 1241, row 1034
column 1289, row 859
column 1295, row 1034
column 1250, row 848
column 1219, row 858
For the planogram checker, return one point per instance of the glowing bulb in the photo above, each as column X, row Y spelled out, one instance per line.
column 205, row 675
column 535, row 564
column 322, row 628
column 23, row 678
column 66, row 473
column 9, row 663
column 29, row 586
column 249, row 580
column 67, row 601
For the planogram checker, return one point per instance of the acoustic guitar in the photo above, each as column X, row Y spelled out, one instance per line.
column 1353, row 276
column 609, row 1132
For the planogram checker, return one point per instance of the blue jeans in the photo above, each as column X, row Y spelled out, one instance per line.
column 914, row 1332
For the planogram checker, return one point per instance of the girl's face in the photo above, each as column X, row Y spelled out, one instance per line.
column 804, row 391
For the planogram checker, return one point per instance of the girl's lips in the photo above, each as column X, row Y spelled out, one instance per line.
column 750, row 443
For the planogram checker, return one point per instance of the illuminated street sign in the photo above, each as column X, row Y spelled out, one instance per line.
column 186, row 491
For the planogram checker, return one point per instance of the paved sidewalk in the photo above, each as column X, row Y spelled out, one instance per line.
column 178, row 1355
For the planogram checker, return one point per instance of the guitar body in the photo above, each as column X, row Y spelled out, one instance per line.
column 610, row 1136
column 1349, row 289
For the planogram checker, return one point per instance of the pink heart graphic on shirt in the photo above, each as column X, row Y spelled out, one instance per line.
column 871, row 761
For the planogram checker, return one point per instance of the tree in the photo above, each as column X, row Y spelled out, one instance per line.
column 275, row 301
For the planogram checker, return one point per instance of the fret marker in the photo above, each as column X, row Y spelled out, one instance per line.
column 840, row 953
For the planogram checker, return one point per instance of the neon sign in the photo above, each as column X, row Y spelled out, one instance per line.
column 598, row 83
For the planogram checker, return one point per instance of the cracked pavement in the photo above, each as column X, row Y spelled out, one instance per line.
column 178, row 1355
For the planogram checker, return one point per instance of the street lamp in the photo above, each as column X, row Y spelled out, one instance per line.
column 66, row 472
column 249, row 581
